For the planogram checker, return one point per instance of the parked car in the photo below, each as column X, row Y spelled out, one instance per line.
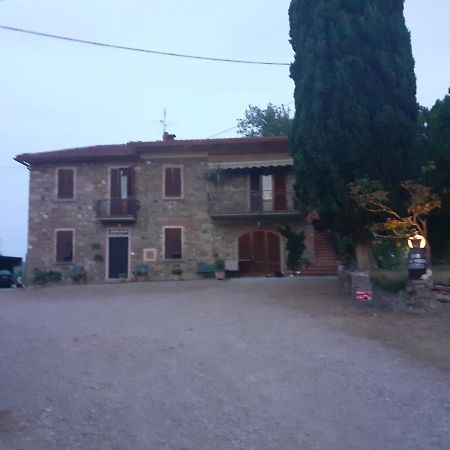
column 5, row 279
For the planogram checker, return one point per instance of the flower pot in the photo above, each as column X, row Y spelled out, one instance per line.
column 220, row 274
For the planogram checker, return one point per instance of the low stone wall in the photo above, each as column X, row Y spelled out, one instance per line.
column 420, row 296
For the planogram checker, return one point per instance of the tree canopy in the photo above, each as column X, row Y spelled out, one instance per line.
column 434, row 138
column 272, row 121
column 435, row 133
column 355, row 103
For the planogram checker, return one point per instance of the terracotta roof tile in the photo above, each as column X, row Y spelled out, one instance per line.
column 134, row 149
column 94, row 153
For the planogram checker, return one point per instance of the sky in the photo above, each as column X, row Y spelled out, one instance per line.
column 56, row 95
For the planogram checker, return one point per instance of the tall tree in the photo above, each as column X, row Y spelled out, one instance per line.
column 434, row 132
column 437, row 125
column 272, row 121
column 355, row 106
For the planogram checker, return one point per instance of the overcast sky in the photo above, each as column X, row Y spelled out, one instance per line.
column 57, row 95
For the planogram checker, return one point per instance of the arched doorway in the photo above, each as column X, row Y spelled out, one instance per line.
column 259, row 253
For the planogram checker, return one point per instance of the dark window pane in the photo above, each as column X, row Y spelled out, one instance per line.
column 172, row 243
column 64, row 246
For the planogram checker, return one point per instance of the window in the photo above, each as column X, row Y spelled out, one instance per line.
column 268, row 192
column 173, row 182
column 172, row 243
column 267, row 187
column 65, row 184
column 64, row 245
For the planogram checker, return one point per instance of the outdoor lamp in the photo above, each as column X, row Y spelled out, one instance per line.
column 417, row 241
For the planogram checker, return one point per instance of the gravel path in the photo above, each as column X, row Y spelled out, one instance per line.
column 205, row 365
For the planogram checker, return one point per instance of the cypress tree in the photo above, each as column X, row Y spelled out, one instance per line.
column 355, row 104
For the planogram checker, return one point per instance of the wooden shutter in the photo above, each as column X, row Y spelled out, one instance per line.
column 172, row 243
column 255, row 192
column 279, row 191
column 172, row 182
column 65, row 183
column 245, row 254
column 64, row 246
column 115, row 192
column 131, row 181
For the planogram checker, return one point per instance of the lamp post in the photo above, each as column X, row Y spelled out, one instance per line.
column 417, row 258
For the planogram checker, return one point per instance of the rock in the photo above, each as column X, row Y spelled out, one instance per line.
column 443, row 298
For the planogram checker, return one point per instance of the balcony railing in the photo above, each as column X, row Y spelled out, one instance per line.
column 238, row 203
column 117, row 209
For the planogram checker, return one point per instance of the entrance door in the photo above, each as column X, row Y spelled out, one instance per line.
column 118, row 256
column 259, row 253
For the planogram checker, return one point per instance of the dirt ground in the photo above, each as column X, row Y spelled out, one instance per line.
column 250, row 364
column 425, row 338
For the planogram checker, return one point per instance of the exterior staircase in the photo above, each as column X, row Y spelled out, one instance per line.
column 325, row 263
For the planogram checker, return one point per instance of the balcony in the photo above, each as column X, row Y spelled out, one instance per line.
column 117, row 210
column 234, row 204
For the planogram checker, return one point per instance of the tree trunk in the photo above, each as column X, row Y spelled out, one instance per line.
column 363, row 251
column 428, row 253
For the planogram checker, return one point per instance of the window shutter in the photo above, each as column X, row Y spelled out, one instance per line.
column 65, row 184
column 172, row 241
column 131, row 182
column 172, row 182
column 64, row 246
column 279, row 187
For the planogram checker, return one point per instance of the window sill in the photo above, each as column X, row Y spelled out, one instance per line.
column 65, row 200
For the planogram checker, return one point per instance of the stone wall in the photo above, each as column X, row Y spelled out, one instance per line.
column 202, row 236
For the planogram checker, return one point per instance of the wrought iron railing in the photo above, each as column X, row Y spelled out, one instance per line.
column 247, row 202
column 117, row 207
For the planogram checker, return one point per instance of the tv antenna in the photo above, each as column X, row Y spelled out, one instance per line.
column 163, row 121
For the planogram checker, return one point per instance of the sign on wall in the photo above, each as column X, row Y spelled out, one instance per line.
column 149, row 254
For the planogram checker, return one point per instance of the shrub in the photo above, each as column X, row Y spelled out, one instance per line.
column 294, row 245
column 389, row 254
column 142, row 269
column 44, row 277
column 393, row 284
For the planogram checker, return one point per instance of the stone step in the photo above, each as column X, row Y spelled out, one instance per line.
column 322, row 273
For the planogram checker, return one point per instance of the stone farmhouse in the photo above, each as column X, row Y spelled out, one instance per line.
column 175, row 204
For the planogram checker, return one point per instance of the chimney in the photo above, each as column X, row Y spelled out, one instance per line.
column 168, row 137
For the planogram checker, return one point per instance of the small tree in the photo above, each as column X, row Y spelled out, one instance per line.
column 295, row 246
column 272, row 121
column 368, row 195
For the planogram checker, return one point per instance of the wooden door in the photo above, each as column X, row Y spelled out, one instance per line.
column 118, row 257
column 259, row 253
column 245, row 254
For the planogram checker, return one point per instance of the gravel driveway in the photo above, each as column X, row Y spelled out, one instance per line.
column 205, row 365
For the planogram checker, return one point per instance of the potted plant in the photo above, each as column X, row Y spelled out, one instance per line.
column 220, row 269
column 177, row 272
column 123, row 277
column 78, row 274
column 141, row 271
